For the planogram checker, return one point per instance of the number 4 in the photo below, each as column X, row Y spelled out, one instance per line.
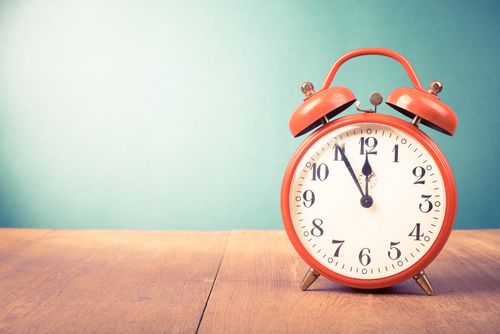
column 416, row 232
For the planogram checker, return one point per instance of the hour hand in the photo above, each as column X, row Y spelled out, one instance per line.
column 367, row 171
column 366, row 200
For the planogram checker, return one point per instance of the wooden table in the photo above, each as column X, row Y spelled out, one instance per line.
column 63, row 281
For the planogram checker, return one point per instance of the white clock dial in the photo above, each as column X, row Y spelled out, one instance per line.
column 374, row 231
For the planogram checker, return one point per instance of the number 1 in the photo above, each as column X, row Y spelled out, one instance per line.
column 396, row 153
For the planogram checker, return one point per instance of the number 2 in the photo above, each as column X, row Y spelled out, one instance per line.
column 419, row 172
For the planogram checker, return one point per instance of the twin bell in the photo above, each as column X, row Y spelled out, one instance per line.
column 423, row 106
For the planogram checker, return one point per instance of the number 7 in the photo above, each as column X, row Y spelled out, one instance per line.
column 340, row 242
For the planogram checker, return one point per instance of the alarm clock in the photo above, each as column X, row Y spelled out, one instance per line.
column 369, row 200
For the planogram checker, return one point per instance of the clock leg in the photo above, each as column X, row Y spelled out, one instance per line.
column 311, row 276
column 423, row 281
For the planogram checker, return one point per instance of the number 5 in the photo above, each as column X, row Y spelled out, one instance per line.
column 398, row 252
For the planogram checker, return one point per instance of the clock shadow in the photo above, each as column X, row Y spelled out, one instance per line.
column 452, row 282
column 405, row 288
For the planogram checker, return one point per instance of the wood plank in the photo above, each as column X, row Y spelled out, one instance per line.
column 109, row 281
column 12, row 239
column 257, row 292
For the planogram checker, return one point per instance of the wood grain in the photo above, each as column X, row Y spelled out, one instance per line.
column 161, row 282
column 256, row 291
column 109, row 281
column 12, row 239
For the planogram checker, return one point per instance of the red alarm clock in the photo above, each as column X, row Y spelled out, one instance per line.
column 368, row 200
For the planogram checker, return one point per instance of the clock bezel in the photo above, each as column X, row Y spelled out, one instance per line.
column 450, row 191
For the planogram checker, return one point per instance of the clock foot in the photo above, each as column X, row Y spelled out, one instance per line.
column 311, row 276
column 424, row 283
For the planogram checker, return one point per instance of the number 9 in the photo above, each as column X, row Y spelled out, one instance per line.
column 309, row 198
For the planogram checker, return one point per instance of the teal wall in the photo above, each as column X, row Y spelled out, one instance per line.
column 173, row 115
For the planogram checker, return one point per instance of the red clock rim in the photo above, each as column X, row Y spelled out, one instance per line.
column 449, row 217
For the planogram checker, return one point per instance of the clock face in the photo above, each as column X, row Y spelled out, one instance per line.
column 367, row 201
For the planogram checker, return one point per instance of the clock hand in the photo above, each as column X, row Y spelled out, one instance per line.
column 367, row 171
column 366, row 200
column 349, row 168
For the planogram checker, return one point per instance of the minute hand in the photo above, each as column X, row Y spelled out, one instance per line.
column 349, row 168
